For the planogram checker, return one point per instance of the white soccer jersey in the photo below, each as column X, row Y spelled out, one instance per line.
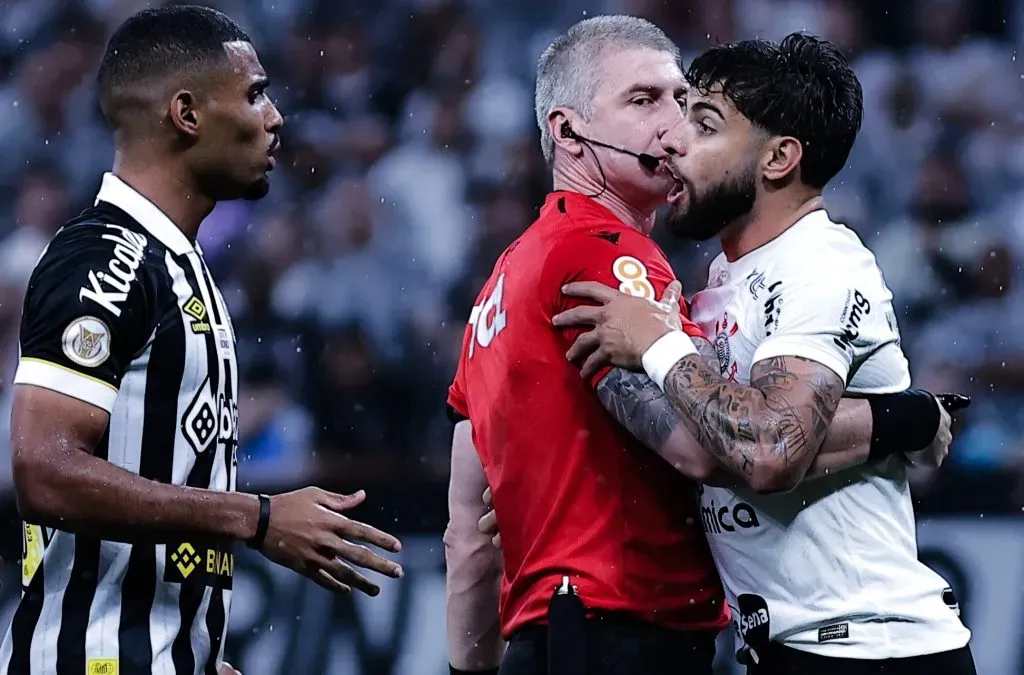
column 830, row 567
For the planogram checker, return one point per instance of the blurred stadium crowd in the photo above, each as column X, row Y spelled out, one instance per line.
column 411, row 160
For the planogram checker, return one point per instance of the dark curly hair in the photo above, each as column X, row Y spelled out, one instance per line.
column 801, row 87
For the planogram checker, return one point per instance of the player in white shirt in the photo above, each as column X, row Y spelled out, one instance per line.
column 825, row 577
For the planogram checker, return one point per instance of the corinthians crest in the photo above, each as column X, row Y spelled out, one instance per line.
column 723, row 331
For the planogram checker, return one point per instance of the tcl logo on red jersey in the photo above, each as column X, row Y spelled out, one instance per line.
column 488, row 319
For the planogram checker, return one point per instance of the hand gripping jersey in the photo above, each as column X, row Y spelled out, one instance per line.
column 574, row 493
column 122, row 313
column 830, row 567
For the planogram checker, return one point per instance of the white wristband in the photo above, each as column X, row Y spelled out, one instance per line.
column 665, row 353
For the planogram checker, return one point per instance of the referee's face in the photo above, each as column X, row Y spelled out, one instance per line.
column 242, row 131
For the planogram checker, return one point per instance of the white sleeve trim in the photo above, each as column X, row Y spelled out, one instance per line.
column 65, row 381
column 799, row 346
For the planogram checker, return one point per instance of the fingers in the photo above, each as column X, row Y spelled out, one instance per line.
column 584, row 315
column 590, row 289
column 487, row 500
column 337, row 502
column 367, row 559
column 346, row 576
column 496, row 540
column 595, row 362
column 672, row 294
column 325, row 580
column 353, row 530
column 488, row 524
column 583, row 346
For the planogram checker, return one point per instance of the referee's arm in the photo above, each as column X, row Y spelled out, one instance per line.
column 473, row 564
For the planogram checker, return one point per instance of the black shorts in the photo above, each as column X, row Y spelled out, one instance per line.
column 780, row 660
column 617, row 646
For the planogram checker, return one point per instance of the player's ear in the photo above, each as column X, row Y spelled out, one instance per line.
column 184, row 114
column 562, row 125
column 782, row 157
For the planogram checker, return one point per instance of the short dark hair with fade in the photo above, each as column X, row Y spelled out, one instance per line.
column 801, row 87
column 157, row 43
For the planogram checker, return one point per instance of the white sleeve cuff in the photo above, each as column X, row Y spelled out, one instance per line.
column 65, row 381
column 805, row 350
column 664, row 353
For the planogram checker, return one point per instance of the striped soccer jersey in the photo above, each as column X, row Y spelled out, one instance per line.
column 122, row 312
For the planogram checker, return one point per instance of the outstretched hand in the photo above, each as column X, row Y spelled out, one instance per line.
column 624, row 326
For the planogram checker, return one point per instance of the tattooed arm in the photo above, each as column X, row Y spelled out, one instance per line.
column 769, row 432
column 637, row 403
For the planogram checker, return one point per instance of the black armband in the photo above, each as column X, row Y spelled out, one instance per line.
column 903, row 422
column 452, row 670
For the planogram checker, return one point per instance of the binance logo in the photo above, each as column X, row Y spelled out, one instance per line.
column 197, row 310
column 207, row 566
column 186, row 559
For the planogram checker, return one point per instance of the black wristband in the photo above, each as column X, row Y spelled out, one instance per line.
column 903, row 422
column 452, row 670
column 262, row 524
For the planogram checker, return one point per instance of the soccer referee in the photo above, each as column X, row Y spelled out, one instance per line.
column 124, row 420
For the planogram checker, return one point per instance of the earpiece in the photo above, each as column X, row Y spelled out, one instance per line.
column 567, row 131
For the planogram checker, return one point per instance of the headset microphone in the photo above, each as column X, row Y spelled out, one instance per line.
column 649, row 162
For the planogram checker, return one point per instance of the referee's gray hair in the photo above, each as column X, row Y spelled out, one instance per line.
column 568, row 70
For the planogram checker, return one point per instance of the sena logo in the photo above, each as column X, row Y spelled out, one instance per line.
column 748, row 622
column 859, row 308
column 753, row 622
column 718, row 519
column 109, row 287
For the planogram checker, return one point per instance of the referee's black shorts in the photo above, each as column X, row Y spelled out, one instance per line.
column 617, row 645
column 780, row 660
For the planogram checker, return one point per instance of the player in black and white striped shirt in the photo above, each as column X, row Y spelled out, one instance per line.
column 124, row 419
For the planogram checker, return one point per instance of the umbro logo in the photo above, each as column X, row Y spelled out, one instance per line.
column 195, row 308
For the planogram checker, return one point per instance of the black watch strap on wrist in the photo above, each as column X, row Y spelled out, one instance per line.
column 262, row 524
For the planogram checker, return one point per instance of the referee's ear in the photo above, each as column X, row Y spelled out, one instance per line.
column 184, row 114
column 562, row 125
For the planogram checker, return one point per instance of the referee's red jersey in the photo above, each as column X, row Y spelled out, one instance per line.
column 574, row 493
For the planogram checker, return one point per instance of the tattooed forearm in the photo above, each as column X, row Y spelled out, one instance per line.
column 642, row 408
column 768, row 432
column 708, row 353
column 638, row 404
